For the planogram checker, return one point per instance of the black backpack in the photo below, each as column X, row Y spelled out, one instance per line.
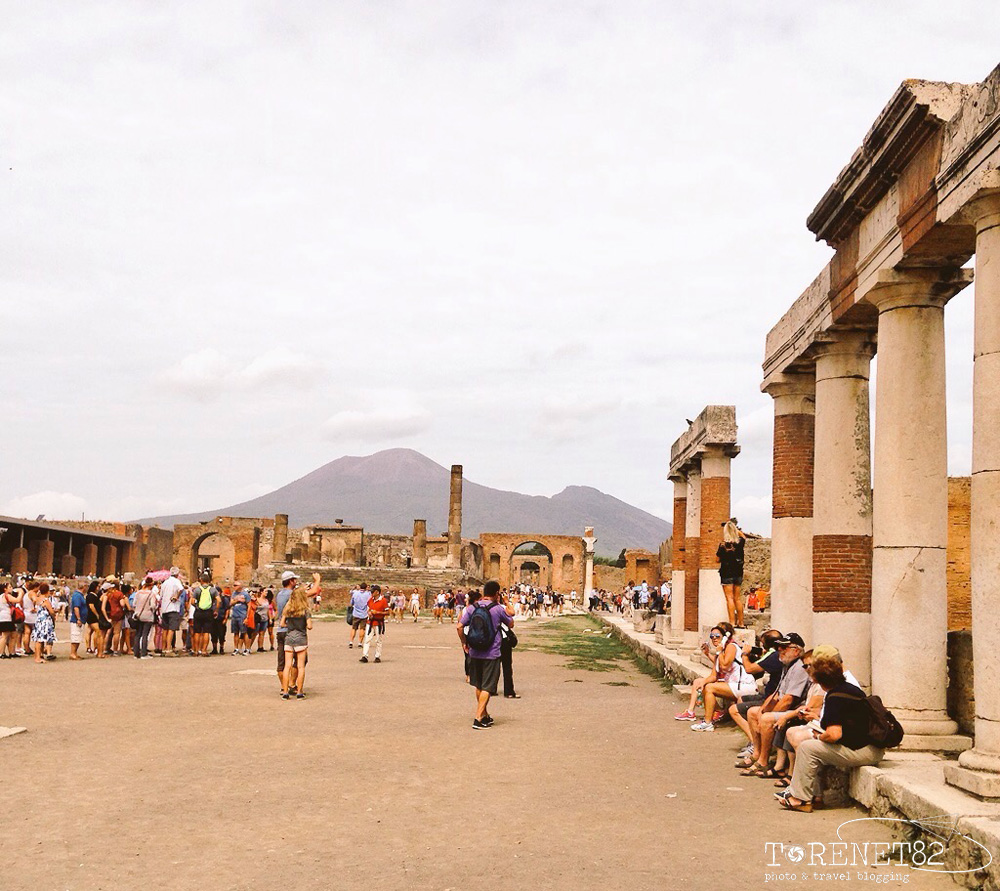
column 884, row 731
column 480, row 633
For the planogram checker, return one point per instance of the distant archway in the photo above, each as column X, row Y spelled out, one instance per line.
column 216, row 553
column 531, row 564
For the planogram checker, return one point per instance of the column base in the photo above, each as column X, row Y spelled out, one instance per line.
column 931, row 733
column 690, row 642
column 981, row 783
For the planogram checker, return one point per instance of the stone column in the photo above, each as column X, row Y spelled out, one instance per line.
column 46, row 556
column 978, row 770
column 842, row 503
column 588, row 553
column 714, row 512
column 279, row 550
column 910, row 527
column 455, row 519
column 677, row 563
column 67, row 566
column 89, row 566
column 692, row 556
column 109, row 559
column 19, row 561
column 419, row 543
column 794, row 398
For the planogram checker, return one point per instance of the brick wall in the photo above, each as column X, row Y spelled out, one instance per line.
column 714, row 512
column 959, row 578
column 792, row 478
column 680, row 521
column 691, row 555
column 842, row 573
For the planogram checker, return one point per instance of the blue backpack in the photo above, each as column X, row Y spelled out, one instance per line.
column 480, row 633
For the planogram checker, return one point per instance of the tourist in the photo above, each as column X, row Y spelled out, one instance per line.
column 297, row 622
column 281, row 600
column 95, row 617
column 762, row 718
column 359, row 613
column 730, row 556
column 272, row 611
column 375, row 626
column 219, row 617
column 765, row 662
column 170, row 610
column 415, row 605
column 203, row 606
column 398, row 604
column 43, row 632
column 262, row 619
column 77, row 615
column 439, row 604
column 726, row 681
column 508, row 640
column 28, row 607
column 791, row 727
column 8, row 601
column 458, row 606
column 480, row 624
column 142, row 616
column 842, row 739
column 239, row 608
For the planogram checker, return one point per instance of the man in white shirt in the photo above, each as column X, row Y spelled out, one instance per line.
column 170, row 609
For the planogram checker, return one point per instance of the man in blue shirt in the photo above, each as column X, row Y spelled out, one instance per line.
column 359, row 609
column 77, row 622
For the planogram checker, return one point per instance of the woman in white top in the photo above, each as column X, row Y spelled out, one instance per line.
column 28, row 605
column 8, row 600
column 415, row 605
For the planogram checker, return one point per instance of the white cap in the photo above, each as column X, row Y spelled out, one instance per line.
column 288, row 574
column 175, row 570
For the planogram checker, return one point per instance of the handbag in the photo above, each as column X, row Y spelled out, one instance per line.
column 16, row 613
column 349, row 616
column 251, row 619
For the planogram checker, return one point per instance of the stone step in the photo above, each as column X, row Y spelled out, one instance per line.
column 926, row 743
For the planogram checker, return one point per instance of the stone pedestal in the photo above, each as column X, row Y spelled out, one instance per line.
column 19, row 561
column 842, row 503
column 419, row 543
column 89, row 565
column 794, row 398
column 67, row 566
column 46, row 556
column 910, row 538
column 978, row 771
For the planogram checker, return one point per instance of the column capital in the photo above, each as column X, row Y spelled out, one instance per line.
column 916, row 287
column 983, row 209
column 790, row 384
column 844, row 354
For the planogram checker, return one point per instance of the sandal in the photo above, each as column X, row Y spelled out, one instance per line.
column 772, row 774
column 755, row 770
column 804, row 806
column 783, row 783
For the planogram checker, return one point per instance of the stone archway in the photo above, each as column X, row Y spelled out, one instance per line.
column 216, row 553
column 563, row 569
column 242, row 533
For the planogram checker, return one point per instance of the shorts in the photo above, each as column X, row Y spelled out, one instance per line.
column 732, row 580
column 281, row 653
column 170, row 621
column 748, row 702
column 484, row 674
column 75, row 633
column 236, row 626
column 359, row 623
column 203, row 619
column 6, row 627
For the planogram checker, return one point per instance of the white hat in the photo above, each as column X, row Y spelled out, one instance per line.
column 175, row 570
column 288, row 574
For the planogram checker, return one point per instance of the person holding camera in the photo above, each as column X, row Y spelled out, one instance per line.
column 730, row 555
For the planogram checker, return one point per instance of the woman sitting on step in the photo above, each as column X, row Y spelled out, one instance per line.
column 727, row 680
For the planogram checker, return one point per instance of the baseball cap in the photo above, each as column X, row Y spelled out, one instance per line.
column 790, row 640
column 826, row 651
column 288, row 574
column 175, row 570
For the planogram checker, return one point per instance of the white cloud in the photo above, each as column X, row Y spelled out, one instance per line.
column 209, row 374
column 55, row 506
column 375, row 425
column 754, row 513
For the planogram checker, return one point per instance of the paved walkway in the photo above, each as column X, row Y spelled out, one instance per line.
column 192, row 773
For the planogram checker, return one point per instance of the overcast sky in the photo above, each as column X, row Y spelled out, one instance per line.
column 240, row 240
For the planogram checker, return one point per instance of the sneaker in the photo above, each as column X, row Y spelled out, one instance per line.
column 284, row 696
column 300, row 695
column 487, row 720
column 703, row 726
column 293, row 689
column 718, row 716
column 685, row 716
column 363, row 659
column 350, row 646
column 479, row 725
column 236, row 652
column 378, row 658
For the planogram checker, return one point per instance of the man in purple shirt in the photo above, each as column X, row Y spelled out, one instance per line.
column 484, row 664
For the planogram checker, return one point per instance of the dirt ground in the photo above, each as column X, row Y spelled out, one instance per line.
column 193, row 773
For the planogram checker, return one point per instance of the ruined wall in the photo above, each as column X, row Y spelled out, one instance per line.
column 959, row 556
column 610, row 578
column 642, row 566
column 568, row 565
column 244, row 533
column 757, row 563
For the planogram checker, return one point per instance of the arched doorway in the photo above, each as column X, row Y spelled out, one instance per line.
column 531, row 564
column 216, row 553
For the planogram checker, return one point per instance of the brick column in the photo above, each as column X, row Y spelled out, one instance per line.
column 910, row 526
column 46, row 556
column 678, row 557
column 419, row 543
column 455, row 519
column 978, row 770
column 19, row 561
column 67, row 566
column 109, row 559
column 692, row 556
column 794, row 398
column 842, row 504
column 89, row 566
column 279, row 549
column 714, row 512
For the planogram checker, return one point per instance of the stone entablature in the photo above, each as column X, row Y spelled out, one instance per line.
column 714, row 427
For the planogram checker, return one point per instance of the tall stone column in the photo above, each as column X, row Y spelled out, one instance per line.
column 978, row 770
column 19, row 561
column 677, row 562
column 89, row 566
column 455, row 519
column 714, row 513
column 842, row 505
column 910, row 528
column 109, row 559
column 279, row 550
column 419, row 543
column 46, row 556
column 692, row 557
column 794, row 398
column 588, row 552
column 67, row 566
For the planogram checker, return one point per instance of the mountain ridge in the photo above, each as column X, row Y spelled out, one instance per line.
column 386, row 490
